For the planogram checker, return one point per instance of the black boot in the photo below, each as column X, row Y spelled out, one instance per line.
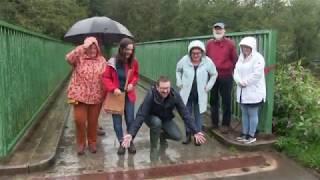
column 163, row 141
column 188, row 139
column 132, row 148
column 121, row 150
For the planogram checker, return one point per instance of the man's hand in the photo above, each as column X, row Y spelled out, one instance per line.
column 126, row 141
column 200, row 139
column 117, row 92
column 130, row 87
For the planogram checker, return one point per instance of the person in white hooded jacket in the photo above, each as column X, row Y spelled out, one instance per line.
column 196, row 75
column 251, row 87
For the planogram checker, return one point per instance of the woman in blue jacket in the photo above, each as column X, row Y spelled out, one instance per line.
column 196, row 75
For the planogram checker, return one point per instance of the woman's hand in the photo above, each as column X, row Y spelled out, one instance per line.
column 117, row 92
column 130, row 87
column 242, row 84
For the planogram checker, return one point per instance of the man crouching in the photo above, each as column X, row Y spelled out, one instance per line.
column 157, row 112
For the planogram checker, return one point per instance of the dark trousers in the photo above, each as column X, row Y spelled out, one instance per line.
column 169, row 128
column 194, row 109
column 223, row 88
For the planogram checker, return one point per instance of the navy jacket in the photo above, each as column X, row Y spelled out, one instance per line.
column 154, row 105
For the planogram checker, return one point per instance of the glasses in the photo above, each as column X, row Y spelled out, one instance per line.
column 196, row 53
column 245, row 47
column 164, row 88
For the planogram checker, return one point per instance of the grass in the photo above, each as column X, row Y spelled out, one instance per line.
column 305, row 153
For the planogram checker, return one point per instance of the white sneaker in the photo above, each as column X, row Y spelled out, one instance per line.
column 242, row 138
column 250, row 140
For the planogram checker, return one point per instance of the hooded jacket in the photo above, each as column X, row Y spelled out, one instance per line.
column 85, row 85
column 154, row 105
column 111, row 80
column 206, row 76
column 249, row 72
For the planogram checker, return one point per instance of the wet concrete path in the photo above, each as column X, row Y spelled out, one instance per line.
column 106, row 159
column 178, row 161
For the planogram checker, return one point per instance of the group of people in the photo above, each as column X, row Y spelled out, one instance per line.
column 210, row 68
column 92, row 78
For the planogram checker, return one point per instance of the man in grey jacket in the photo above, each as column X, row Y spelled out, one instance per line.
column 157, row 112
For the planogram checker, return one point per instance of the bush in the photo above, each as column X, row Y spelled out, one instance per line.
column 297, row 113
column 306, row 153
column 297, row 102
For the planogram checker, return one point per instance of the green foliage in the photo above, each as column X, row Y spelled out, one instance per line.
column 305, row 24
column 51, row 17
column 296, row 21
column 306, row 153
column 297, row 100
column 296, row 113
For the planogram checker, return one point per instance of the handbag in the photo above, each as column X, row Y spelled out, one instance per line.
column 114, row 104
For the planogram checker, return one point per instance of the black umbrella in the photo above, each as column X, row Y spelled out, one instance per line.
column 103, row 28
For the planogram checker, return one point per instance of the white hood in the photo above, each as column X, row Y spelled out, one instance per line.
column 198, row 44
column 249, row 41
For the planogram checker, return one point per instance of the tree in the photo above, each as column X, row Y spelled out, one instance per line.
column 297, row 22
column 305, row 25
column 51, row 17
column 193, row 18
column 168, row 13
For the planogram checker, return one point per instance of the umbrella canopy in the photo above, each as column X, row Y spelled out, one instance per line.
column 103, row 28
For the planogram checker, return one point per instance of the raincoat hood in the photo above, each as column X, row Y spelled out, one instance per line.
column 249, row 41
column 252, row 43
column 197, row 44
column 112, row 62
column 89, row 41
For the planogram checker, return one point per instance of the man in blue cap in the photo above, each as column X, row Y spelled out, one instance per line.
column 223, row 53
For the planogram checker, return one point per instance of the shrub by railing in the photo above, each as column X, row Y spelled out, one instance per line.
column 297, row 113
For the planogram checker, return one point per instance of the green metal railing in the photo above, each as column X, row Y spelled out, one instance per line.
column 32, row 66
column 160, row 57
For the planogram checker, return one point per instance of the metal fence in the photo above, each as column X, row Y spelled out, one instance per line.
column 32, row 66
column 160, row 58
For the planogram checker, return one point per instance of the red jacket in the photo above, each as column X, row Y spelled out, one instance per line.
column 111, row 81
column 223, row 54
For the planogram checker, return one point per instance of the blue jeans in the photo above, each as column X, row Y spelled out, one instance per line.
column 194, row 109
column 169, row 127
column 129, row 118
column 250, row 119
